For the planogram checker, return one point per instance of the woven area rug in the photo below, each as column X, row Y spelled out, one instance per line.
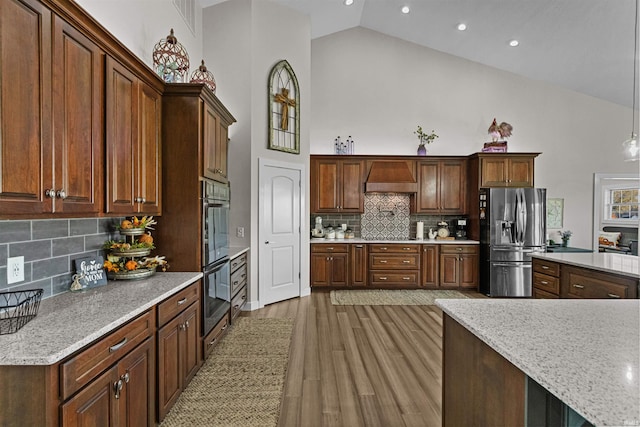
column 391, row 296
column 242, row 381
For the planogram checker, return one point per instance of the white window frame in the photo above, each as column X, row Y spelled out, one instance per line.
column 602, row 184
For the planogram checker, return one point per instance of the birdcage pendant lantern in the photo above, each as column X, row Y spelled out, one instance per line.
column 202, row 75
column 171, row 60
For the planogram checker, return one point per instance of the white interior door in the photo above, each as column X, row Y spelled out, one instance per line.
column 279, row 233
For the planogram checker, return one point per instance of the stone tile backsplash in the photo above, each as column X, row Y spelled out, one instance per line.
column 386, row 217
column 49, row 248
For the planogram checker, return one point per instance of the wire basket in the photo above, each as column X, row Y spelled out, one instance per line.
column 17, row 308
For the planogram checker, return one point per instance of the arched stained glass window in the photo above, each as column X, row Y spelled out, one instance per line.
column 284, row 109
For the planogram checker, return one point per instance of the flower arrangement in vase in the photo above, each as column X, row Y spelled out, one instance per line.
column 565, row 235
column 425, row 138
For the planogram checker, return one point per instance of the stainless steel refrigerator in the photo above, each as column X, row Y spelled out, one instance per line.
column 512, row 227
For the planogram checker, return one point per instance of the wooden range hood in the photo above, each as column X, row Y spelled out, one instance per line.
column 390, row 177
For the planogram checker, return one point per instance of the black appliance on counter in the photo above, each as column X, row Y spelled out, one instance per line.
column 216, row 292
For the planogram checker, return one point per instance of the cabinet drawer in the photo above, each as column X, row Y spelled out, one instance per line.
column 238, row 262
column 324, row 247
column 238, row 279
column 579, row 285
column 385, row 278
column 377, row 261
column 82, row 368
column 546, row 283
column 169, row 308
column 237, row 302
column 458, row 249
column 539, row 294
column 546, row 267
column 213, row 338
column 394, row 248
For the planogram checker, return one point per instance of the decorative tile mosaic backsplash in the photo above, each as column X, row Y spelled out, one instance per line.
column 386, row 217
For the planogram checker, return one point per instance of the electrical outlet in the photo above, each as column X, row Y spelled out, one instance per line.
column 15, row 269
column 240, row 232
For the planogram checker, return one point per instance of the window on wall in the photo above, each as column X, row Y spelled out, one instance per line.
column 187, row 9
column 621, row 205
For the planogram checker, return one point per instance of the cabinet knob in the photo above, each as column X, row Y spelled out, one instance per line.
column 51, row 193
column 125, row 377
column 61, row 194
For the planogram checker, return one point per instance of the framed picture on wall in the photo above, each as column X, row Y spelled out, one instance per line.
column 284, row 109
column 555, row 208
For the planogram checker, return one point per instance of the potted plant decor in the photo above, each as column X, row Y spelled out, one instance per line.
column 425, row 138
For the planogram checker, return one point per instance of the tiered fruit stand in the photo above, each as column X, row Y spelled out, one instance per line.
column 129, row 259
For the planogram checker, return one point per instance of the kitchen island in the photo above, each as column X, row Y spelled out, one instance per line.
column 584, row 352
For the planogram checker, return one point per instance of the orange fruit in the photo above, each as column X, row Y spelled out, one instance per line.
column 131, row 265
column 126, row 224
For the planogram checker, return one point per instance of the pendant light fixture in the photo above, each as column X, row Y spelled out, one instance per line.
column 631, row 149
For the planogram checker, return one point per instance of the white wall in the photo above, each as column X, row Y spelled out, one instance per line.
column 378, row 89
column 245, row 39
column 140, row 24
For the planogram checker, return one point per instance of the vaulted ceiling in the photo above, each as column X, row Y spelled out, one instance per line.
column 583, row 45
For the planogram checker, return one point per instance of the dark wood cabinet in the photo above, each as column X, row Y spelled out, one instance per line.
column 178, row 356
column 394, row 265
column 546, row 279
column 215, row 144
column 505, row 169
column 442, row 186
column 429, row 266
column 329, row 264
column 459, row 266
column 337, row 185
column 358, row 264
column 138, row 393
column 95, row 405
column 239, row 280
column 133, row 113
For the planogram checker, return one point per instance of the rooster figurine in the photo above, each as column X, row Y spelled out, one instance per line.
column 497, row 131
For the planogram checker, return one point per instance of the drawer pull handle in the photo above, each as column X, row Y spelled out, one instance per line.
column 458, row 249
column 406, row 261
column 182, row 301
column 118, row 346
column 613, row 296
column 330, row 249
column 544, row 267
column 213, row 341
column 406, row 278
column 243, row 275
column 544, row 282
column 383, row 278
column 234, row 265
column 383, row 249
column 406, row 249
column 578, row 286
column 359, row 246
column 383, row 261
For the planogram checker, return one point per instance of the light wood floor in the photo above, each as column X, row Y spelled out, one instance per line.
column 361, row 365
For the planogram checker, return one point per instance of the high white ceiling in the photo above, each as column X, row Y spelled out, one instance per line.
column 584, row 45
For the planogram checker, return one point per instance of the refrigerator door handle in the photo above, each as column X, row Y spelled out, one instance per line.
column 512, row 264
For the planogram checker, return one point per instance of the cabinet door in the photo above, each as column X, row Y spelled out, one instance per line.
column 468, row 271
column 25, row 107
column 122, row 133
column 320, row 270
column 324, row 186
column 149, row 163
column 428, row 200
column 136, row 405
column 358, row 265
column 449, row 271
column 521, row 172
column 453, row 186
column 94, row 405
column 190, row 339
column 209, row 134
column 222, row 147
column 78, row 118
column 339, row 269
column 351, row 186
column 169, row 369
column 493, row 172
column 429, row 266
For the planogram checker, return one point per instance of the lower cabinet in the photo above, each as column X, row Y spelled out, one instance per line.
column 358, row 264
column 429, row 266
column 122, row 396
column 394, row 265
column 239, row 280
column 178, row 356
column 459, row 266
column 329, row 264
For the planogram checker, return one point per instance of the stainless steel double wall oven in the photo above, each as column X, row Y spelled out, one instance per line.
column 216, row 295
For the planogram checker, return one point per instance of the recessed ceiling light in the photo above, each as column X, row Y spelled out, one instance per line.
column 348, row 2
column 462, row 27
column 405, row 9
column 514, row 43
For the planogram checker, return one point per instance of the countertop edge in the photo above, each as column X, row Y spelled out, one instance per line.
column 399, row 242
column 236, row 251
column 627, row 265
column 104, row 330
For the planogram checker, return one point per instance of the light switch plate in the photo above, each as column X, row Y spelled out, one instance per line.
column 15, row 269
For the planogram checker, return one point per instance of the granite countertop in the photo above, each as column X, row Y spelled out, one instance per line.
column 236, row 251
column 67, row 322
column 585, row 352
column 626, row 265
column 425, row 241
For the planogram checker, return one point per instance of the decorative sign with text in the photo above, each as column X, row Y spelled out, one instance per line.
column 90, row 271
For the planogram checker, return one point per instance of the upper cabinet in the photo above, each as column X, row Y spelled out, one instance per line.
column 61, row 94
column 133, row 116
column 504, row 169
column 215, row 123
column 442, row 186
column 337, row 184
